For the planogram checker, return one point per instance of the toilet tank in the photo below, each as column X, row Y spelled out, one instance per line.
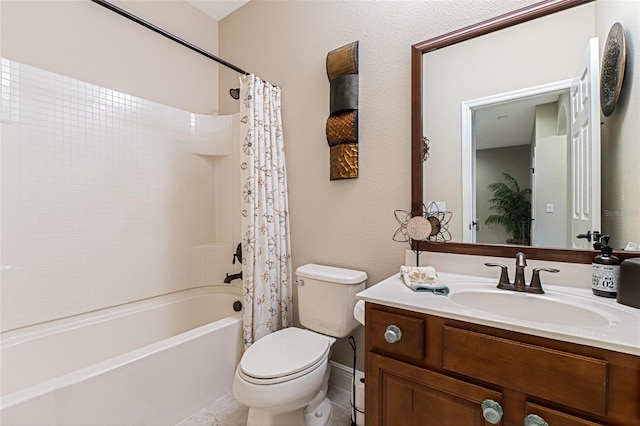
column 326, row 298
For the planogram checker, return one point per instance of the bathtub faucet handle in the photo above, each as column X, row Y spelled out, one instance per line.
column 238, row 254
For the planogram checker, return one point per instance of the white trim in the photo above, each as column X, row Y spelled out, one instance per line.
column 468, row 172
column 467, row 142
column 341, row 376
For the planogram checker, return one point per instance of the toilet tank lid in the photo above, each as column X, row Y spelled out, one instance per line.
column 331, row 274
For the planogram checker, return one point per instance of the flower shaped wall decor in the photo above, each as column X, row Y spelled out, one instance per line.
column 432, row 226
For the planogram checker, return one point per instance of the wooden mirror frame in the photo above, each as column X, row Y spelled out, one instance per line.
column 528, row 13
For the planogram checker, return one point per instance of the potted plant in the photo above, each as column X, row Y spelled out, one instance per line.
column 512, row 207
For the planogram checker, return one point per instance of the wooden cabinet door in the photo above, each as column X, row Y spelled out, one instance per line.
column 553, row 417
column 399, row 394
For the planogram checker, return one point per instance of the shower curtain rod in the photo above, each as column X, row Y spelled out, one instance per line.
column 167, row 34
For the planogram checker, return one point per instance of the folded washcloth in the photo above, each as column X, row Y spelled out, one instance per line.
column 423, row 278
column 631, row 246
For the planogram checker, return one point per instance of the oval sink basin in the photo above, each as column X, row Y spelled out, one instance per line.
column 530, row 307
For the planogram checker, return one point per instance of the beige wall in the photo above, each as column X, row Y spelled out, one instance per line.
column 82, row 40
column 346, row 223
column 620, row 131
column 551, row 229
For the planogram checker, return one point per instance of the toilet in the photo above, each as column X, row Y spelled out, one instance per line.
column 283, row 377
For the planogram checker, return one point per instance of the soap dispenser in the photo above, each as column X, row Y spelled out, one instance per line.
column 606, row 270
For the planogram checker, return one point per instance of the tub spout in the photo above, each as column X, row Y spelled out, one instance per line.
column 232, row 277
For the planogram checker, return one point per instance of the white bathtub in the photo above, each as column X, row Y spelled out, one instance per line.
column 156, row 361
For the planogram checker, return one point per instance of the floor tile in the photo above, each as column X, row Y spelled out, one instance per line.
column 226, row 411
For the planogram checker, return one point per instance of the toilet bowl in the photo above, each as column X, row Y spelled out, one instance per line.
column 284, row 376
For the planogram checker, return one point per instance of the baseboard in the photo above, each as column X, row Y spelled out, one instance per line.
column 341, row 376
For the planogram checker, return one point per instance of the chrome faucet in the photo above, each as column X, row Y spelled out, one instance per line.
column 520, row 284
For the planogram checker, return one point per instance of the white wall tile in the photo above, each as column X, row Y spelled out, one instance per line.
column 102, row 198
column 211, row 262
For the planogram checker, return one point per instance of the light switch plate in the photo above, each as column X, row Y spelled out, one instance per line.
column 441, row 205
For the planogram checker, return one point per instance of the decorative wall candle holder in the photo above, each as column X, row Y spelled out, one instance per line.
column 342, row 61
column 342, row 128
column 344, row 161
column 344, row 93
column 342, row 124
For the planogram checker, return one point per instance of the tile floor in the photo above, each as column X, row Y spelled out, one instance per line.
column 228, row 412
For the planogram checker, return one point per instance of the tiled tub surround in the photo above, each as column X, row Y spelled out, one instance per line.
column 103, row 197
column 156, row 361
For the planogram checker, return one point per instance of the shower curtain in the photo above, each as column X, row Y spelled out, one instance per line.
column 266, row 262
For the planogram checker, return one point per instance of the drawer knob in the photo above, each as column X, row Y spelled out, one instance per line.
column 534, row 420
column 393, row 334
column 491, row 411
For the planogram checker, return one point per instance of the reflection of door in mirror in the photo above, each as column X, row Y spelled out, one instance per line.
column 546, row 143
column 584, row 152
column 524, row 134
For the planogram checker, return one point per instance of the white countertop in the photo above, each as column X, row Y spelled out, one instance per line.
column 621, row 332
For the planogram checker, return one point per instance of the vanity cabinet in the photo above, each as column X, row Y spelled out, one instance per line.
column 428, row 370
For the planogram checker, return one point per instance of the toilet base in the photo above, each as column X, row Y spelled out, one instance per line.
column 259, row 417
column 320, row 416
column 302, row 417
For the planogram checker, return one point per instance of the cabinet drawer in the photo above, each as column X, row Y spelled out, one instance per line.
column 572, row 380
column 411, row 344
column 554, row 417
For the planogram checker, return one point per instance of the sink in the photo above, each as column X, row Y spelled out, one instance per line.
column 531, row 307
column 358, row 311
column 567, row 313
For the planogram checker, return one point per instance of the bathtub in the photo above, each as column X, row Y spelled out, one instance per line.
column 155, row 361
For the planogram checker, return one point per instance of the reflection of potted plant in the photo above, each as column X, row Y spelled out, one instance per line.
column 513, row 209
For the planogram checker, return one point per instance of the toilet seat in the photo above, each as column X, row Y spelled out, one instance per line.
column 284, row 355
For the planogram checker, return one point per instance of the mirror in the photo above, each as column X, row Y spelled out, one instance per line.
column 437, row 112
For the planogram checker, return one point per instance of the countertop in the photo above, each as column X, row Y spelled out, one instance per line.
column 621, row 332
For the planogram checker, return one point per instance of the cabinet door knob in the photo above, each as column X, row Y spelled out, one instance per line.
column 393, row 334
column 534, row 420
column 491, row 411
